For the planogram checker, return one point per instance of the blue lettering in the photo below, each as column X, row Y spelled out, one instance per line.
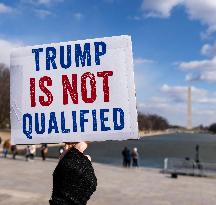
column 50, row 57
column 103, row 120
column 37, row 126
column 83, row 119
column 99, row 53
column 115, row 118
column 63, row 129
column 53, row 123
column 94, row 120
column 36, row 52
column 63, row 65
column 27, row 130
column 81, row 56
column 74, row 121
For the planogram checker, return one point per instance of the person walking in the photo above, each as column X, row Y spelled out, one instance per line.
column 126, row 157
column 197, row 159
column 61, row 150
column 14, row 151
column 27, row 154
column 6, row 147
column 135, row 156
column 74, row 180
column 0, row 142
column 32, row 150
column 197, row 155
column 44, row 151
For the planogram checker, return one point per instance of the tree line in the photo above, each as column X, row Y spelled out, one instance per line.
column 4, row 97
column 212, row 128
column 149, row 122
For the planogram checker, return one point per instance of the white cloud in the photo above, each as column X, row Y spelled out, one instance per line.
column 209, row 76
column 178, row 94
column 173, row 89
column 172, row 104
column 177, row 113
column 174, row 113
column 4, row 8
column 202, row 70
column 78, row 16
column 209, row 50
column 42, row 2
column 159, row 8
column 135, row 18
column 202, row 10
column 192, row 77
column 209, row 64
column 140, row 61
column 42, row 13
column 205, row 12
column 6, row 47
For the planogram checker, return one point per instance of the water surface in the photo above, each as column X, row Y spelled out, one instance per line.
column 154, row 149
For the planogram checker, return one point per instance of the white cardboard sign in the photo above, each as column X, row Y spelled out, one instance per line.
column 73, row 91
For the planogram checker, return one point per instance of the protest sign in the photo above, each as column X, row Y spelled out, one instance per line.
column 73, row 91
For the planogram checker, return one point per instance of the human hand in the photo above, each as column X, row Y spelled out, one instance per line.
column 81, row 146
column 74, row 179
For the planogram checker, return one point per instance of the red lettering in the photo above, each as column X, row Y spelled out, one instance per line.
column 32, row 92
column 105, row 75
column 85, row 97
column 72, row 89
column 44, row 89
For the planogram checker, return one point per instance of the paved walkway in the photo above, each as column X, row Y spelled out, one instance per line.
column 29, row 183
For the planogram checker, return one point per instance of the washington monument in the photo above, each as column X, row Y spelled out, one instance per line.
column 189, row 109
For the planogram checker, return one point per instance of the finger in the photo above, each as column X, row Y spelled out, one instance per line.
column 66, row 147
column 89, row 158
column 63, row 154
column 69, row 145
column 81, row 146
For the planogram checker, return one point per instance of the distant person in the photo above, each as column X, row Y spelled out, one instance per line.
column 32, row 150
column 14, row 151
column 0, row 141
column 197, row 156
column 27, row 154
column 44, row 151
column 135, row 156
column 126, row 157
column 6, row 147
column 61, row 150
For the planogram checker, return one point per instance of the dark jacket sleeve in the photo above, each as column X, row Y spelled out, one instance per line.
column 74, row 180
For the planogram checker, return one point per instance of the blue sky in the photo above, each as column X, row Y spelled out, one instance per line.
column 173, row 44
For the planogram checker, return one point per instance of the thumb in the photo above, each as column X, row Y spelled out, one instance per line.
column 89, row 158
column 81, row 146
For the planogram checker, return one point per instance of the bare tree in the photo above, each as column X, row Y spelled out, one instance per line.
column 4, row 96
column 149, row 122
column 212, row 128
